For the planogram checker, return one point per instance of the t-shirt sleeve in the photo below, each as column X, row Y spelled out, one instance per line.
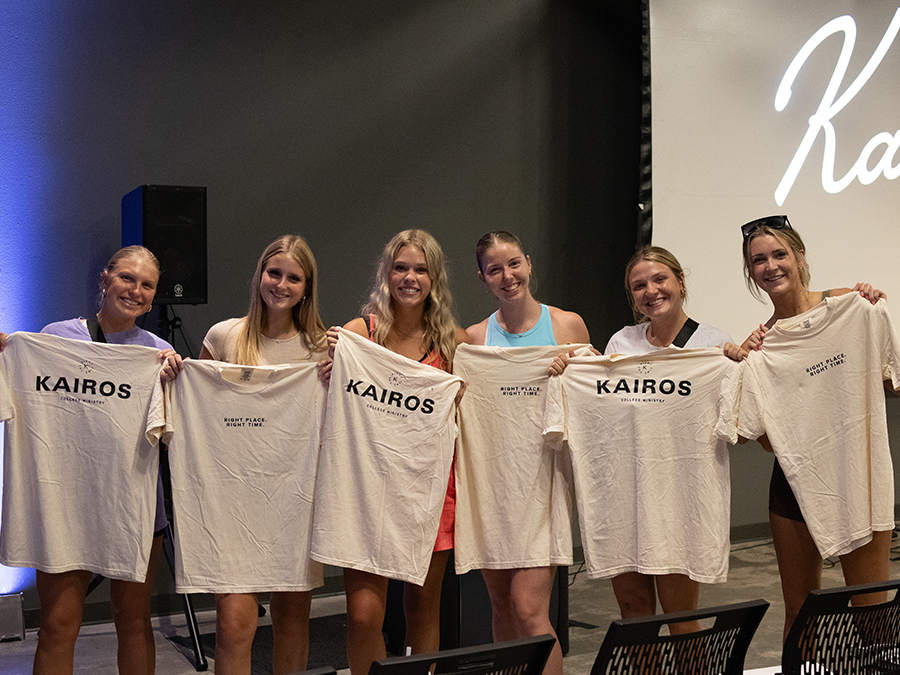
column 215, row 340
column 617, row 344
column 890, row 358
column 7, row 409
column 729, row 400
column 751, row 413
column 156, row 415
column 555, row 412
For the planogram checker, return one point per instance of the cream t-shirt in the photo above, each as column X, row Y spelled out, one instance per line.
column 222, row 338
column 815, row 389
column 79, row 475
column 243, row 446
column 384, row 462
column 648, row 436
column 513, row 488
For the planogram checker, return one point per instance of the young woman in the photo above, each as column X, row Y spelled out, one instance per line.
column 655, row 286
column 127, row 287
column 282, row 325
column 408, row 312
column 775, row 263
column 520, row 597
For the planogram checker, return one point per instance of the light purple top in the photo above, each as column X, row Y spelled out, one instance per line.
column 74, row 329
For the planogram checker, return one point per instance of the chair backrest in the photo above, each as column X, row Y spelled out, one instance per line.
column 516, row 657
column 829, row 635
column 637, row 646
column 324, row 670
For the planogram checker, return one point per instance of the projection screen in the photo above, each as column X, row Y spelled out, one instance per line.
column 767, row 107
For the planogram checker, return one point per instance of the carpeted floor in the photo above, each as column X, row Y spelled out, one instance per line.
column 327, row 639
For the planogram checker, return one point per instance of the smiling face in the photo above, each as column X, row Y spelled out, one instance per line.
column 282, row 284
column 775, row 267
column 506, row 270
column 655, row 289
column 409, row 282
column 129, row 288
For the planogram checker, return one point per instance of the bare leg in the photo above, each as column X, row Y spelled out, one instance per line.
column 678, row 593
column 130, row 601
column 530, row 592
column 868, row 564
column 799, row 564
column 422, row 607
column 236, row 617
column 62, row 601
column 635, row 593
column 366, row 601
column 290, row 628
column 499, row 587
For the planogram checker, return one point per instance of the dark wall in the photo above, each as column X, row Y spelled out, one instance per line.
column 344, row 122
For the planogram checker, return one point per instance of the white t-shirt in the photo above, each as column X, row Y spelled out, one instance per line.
column 222, row 338
column 243, row 445
column 633, row 340
column 513, row 488
column 647, row 436
column 815, row 389
column 79, row 490
column 384, row 462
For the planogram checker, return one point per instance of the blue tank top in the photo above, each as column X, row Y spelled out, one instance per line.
column 540, row 335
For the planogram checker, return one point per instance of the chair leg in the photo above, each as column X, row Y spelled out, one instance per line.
column 199, row 657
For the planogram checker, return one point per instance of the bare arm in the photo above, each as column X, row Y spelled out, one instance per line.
column 568, row 327
column 478, row 333
column 358, row 326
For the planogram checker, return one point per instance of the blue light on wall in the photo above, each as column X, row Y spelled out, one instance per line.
column 28, row 32
column 13, row 579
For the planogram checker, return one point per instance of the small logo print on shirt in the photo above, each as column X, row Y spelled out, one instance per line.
column 644, row 367
column 246, row 373
column 396, row 379
column 239, row 422
column 520, row 391
column 86, row 366
column 806, row 323
column 822, row 366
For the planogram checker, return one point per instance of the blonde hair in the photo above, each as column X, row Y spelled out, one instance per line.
column 305, row 313
column 655, row 254
column 789, row 237
column 133, row 251
column 440, row 327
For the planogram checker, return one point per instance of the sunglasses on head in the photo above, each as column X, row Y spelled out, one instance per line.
column 775, row 222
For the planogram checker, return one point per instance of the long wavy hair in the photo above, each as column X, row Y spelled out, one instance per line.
column 793, row 241
column 656, row 254
column 305, row 313
column 440, row 327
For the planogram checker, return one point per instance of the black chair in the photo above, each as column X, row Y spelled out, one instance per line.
column 829, row 635
column 637, row 647
column 516, row 657
column 324, row 670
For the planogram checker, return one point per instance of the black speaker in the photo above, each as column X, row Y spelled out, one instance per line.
column 170, row 220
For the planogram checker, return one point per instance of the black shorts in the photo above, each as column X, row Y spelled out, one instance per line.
column 781, row 498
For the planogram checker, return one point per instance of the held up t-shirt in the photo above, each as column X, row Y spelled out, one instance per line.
column 243, row 444
column 815, row 389
column 648, row 435
column 79, row 474
column 384, row 462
